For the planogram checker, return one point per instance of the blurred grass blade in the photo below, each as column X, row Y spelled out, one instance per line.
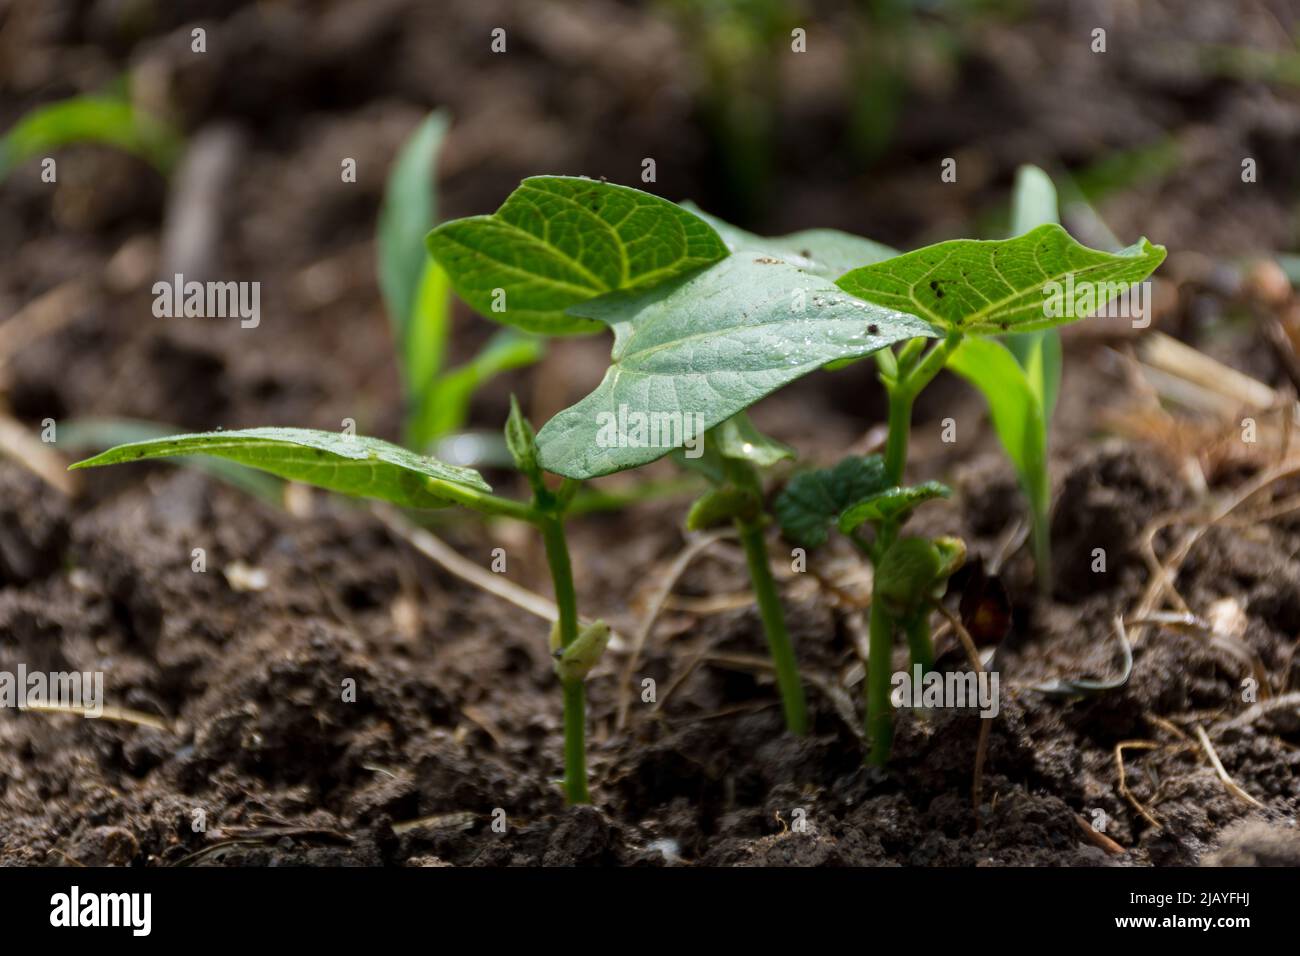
column 445, row 405
column 99, row 118
column 1018, row 420
column 409, row 211
column 416, row 290
column 1034, row 204
column 350, row 464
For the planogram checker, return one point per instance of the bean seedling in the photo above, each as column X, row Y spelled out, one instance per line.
column 371, row 468
column 719, row 338
column 708, row 319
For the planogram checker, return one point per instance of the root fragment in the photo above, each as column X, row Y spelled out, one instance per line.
column 1122, row 785
column 1232, row 786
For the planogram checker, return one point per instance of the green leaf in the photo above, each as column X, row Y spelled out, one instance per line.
column 991, row 287
column 738, row 438
column 1015, row 409
column 813, row 500
column 522, row 442
column 695, row 351
column 412, row 295
column 720, row 505
column 444, row 407
column 573, row 663
column 914, row 571
column 824, row 252
column 353, row 465
column 104, row 119
column 93, row 434
column 892, row 503
column 558, row 241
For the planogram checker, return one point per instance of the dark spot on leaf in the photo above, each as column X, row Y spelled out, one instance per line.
column 806, row 253
column 873, row 329
column 936, row 288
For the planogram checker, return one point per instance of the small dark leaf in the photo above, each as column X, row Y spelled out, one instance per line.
column 813, row 500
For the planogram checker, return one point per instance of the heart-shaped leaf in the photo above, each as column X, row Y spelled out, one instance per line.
column 691, row 353
column 892, row 503
column 1005, row 285
column 813, row 500
column 560, row 240
column 350, row 464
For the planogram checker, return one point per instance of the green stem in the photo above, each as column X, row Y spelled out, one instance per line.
column 902, row 393
column 490, row 504
column 901, row 396
column 880, row 650
column 778, row 638
column 566, row 600
column 933, row 363
column 900, row 423
column 917, row 629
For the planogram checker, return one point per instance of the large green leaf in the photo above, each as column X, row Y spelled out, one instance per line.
column 351, row 464
column 813, row 500
column 1015, row 408
column 991, row 287
column 558, row 241
column 698, row 350
column 823, row 252
column 104, row 119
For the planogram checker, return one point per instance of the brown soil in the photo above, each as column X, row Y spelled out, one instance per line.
column 456, row 711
